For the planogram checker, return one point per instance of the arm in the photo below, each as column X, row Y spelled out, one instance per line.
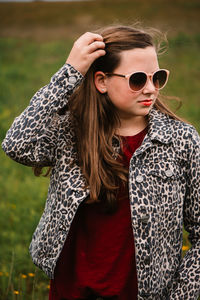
column 32, row 138
column 187, row 283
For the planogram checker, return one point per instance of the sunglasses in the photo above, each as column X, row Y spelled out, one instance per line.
column 138, row 80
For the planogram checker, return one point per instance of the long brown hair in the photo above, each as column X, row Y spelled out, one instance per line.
column 96, row 119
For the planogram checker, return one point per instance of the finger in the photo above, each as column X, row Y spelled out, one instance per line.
column 90, row 37
column 96, row 54
column 95, row 46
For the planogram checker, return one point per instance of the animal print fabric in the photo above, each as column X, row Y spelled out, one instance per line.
column 164, row 189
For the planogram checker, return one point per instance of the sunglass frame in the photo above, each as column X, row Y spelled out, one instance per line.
column 150, row 76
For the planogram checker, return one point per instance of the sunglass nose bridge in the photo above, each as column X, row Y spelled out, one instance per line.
column 149, row 86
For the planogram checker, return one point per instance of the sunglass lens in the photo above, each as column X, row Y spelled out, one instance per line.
column 137, row 81
column 159, row 79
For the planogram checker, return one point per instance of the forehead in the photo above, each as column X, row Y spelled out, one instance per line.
column 138, row 59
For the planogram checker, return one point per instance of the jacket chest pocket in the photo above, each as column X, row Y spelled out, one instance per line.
column 166, row 181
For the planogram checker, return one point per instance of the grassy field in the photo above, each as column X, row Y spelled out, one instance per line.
column 34, row 41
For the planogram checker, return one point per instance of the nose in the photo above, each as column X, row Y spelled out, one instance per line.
column 149, row 87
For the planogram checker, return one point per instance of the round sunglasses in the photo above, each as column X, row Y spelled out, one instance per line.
column 138, row 80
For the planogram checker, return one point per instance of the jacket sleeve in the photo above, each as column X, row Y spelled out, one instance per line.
column 32, row 138
column 187, row 281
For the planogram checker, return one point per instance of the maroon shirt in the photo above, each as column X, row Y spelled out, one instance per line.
column 99, row 255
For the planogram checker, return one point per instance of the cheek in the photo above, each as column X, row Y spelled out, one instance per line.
column 118, row 91
column 117, row 87
column 123, row 99
column 120, row 94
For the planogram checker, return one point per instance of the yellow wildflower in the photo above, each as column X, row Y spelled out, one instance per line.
column 23, row 276
column 16, row 292
column 6, row 274
column 31, row 274
column 48, row 286
column 185, row 248
column 1, row 273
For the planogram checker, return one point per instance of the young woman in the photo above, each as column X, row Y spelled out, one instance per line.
column 125, row 174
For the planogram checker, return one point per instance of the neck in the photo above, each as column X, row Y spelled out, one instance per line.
column 133, row 126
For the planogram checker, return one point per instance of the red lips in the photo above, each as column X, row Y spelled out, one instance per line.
column 146, row 102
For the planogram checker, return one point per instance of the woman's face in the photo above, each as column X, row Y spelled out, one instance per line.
column 131, row 104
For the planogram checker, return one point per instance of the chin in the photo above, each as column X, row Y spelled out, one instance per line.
column 144, row 111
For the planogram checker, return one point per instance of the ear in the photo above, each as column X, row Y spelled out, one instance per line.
column 100, row 82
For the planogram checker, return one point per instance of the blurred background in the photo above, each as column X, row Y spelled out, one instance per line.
column 35, row 38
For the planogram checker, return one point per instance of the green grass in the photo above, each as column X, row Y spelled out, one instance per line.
column 184, row 75
column 26, row 64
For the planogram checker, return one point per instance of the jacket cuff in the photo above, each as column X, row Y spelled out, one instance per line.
column 68, row 77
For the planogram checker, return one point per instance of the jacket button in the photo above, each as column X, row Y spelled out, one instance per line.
column 72, row 79
column 168, row 173
column 139, row 178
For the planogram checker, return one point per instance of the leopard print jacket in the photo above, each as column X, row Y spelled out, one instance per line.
column 164, row 189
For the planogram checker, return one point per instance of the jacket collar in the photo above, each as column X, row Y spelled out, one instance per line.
column 160, row 126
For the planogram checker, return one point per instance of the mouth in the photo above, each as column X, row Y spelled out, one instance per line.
column 146, row 102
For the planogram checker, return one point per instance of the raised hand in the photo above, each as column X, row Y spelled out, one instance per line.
column 86, row 49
